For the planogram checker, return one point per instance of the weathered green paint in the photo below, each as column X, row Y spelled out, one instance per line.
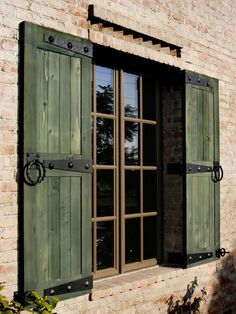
column 57, row 212
column 202, row 147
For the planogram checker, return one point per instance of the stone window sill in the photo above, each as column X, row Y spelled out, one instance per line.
column 130, row 281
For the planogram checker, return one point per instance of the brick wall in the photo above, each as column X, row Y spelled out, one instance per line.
column 206, row 30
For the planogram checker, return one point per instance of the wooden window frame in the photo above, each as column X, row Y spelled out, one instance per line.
column 119, row 169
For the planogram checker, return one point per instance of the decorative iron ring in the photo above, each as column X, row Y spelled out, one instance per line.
column 39, row 166
column 217, row 173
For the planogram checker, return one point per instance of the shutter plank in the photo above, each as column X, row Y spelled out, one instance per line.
column 54, row 227
column 76, row 106
column 76, row 205
column 42, row 231
column 65, row 228
column 65, row 104
column 53, row 102
column 42, row 98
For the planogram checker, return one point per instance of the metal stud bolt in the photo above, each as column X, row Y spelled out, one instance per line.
column 200, row 257
column 69, row 288
column 51, row 165
column 199, row 169
column 199, row 80
column 69, row 45
column 189, row 78
column 86, row 50
column 52, row 292
column 189, row 169
column 86, row 284
column 51, row 39
column 87, row 166
column 70, row 165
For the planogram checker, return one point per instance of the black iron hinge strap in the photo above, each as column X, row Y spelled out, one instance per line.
column 71, row 286
column 84, row 48
column 196, row 257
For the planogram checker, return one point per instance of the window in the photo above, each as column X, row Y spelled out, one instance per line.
column 125, row 176
column 140, row 169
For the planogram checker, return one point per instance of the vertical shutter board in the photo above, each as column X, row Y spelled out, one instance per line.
column 29, row 249
column 41, row 214
column 54, row 103
column 57, row 212
column 202, row 195
column 54, row 225
column 76, row 225
column 87, row 180
column 65, row 104
column 42, row 98
column 76, row 141
column 65, row 227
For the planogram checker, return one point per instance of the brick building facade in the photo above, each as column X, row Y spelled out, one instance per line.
column 197, row 36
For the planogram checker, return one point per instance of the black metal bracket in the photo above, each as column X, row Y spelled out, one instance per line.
column 197, row 80
column 77, row 165
column 187, row 168
column 197, row 257
column 70, row 287
column 83, row 48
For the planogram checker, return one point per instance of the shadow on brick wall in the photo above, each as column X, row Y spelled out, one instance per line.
column 223, row 296
column 189, row 303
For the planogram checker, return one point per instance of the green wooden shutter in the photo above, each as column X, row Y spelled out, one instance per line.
column 56, row 104
column 202, row 149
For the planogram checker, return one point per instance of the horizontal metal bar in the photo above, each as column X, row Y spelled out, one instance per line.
column 70, row 287
column 83, row 48
column 78, row 165
column 197, row 80
column 196, row 257
column 188, row 168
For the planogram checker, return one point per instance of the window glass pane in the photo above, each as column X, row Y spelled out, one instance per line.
column 149, row 191
column 131, row 100
column 105, row 90
column 132, row 240
column 131, row 143
column 105, row 141
column 149, row 98
column 132, row 191
column 105, row 193
column 149, row 145
column 105, row 244
column 149, row 228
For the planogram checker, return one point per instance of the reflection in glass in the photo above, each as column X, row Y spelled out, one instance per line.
column 132, row 191
column 105, row 193
column 105, row 90
column 149, row 145
column 149, row 98
column 132, row 240
column 131, row 94
column 149, row 191
column 150, row 243
column 131, row 143
column 105, row 244
column 105, row 141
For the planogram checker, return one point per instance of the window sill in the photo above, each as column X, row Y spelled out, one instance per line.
column 130, row 281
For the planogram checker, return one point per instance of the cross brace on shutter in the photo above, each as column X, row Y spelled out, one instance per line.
column 68, row 44
column 216, row 170
column 70, row 287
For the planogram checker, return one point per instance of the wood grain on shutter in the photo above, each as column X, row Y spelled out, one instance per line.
column 57, row 212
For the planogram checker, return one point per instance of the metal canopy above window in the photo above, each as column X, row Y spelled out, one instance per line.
column 109, row 27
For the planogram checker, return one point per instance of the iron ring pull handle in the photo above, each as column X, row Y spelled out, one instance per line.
column 35, row 165
column 217, row 173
